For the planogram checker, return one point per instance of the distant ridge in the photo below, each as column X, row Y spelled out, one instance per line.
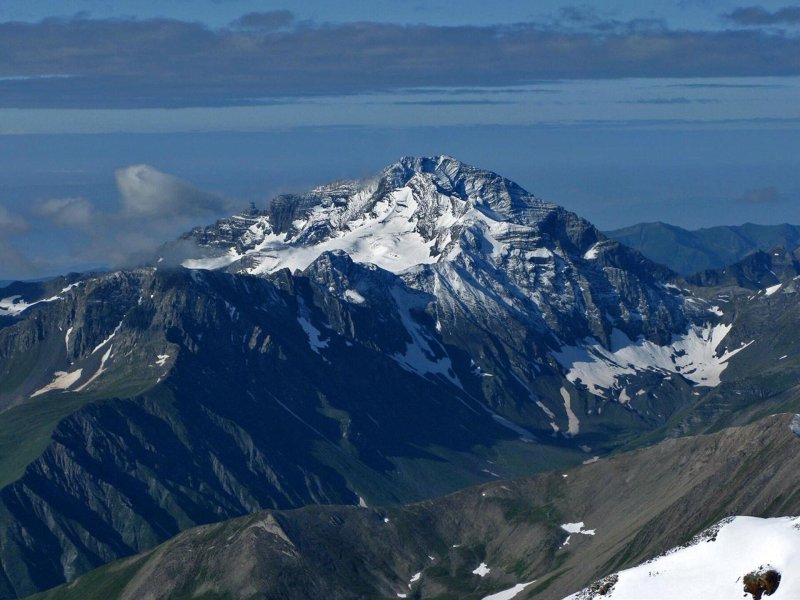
column 688, row 252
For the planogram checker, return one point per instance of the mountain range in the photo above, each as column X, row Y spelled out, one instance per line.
column 380, row 343
column 689, row 252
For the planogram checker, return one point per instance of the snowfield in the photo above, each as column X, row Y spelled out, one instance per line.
column 509, row 593
column 713, row 564
column 693, row 355
column 15, row 305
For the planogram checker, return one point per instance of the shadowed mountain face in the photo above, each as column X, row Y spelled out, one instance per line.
column 688, row 252
column 760, row 270
column 379, row 342
column 555, row 532
column 203, row 396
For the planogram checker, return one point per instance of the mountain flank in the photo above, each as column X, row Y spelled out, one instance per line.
column 481, row 540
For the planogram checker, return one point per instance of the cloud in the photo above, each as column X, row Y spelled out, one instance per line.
column 265, row 20
column 754, row 16
column 11, row 222
column 454, row 102
column 154, row 208
column 743, row 86
column 678, row 100
column 585, row 18
column 119, row 63
column 765, row 195
column 12, row 263
column 66, row 212
column 147, row 192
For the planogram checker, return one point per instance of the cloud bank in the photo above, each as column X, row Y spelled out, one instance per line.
column 153, row 208
column 132, row 63
column 66, row 212
column 11, row 222
column 756, row 16
column 13, row 263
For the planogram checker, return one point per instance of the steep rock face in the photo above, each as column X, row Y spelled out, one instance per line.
column 65, row 336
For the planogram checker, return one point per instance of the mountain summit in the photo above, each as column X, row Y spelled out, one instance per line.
column 439, row 221
column 413, row 213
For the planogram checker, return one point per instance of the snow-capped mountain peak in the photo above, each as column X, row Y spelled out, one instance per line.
column 533, row 275
column 413, row 213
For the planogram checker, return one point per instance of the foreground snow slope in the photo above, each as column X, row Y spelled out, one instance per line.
column 713, row 565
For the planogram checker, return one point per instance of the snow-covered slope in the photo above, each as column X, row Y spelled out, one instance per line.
column 714, row 565
column 15, row 305
column 603, row 370
column 466, row 235
column 411, row 214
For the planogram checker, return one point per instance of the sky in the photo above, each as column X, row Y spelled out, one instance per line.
column 123, row 124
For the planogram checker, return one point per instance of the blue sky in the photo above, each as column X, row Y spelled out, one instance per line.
column 683, row 111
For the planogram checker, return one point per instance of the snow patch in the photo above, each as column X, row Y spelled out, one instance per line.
column 354, row 297
column 108, row 339
column 794, row 426
column 419, row 356
column 314, row 334
column 481, row 570
column 577, row 528
column 692, row 355
column 70, row 287
column 713, row 564
column 772, row 289
column 509, row 593
column 100, row 370
column 61, row 381
column 14, row 305
column 213, row 262
column 546, row 410
column 574, row 425
column 591, row 253
column 386, row 236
